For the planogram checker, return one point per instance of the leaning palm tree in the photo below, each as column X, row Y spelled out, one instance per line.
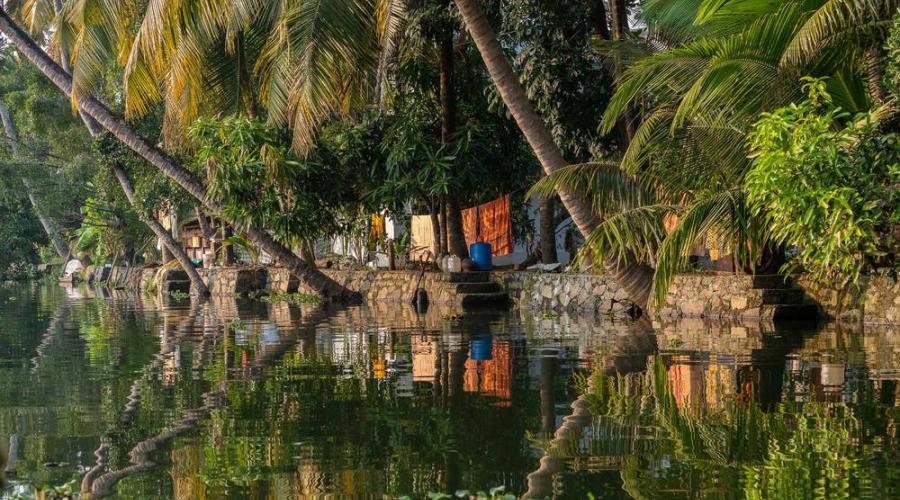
column 304, row 271
column 632, row 275
column 701, row 95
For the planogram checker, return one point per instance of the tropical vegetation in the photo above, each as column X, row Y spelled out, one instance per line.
column 660, row 125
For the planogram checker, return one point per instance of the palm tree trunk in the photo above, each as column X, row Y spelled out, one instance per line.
column 453, row 225
column 205, row 229
column 547, row 216
column 61, row 248
column 456, row 236
column 56, row 240
column 305, row 272
column 599, row 21
column 632, row 276
column 197, row 284
column 618, row 11
column 437, row 247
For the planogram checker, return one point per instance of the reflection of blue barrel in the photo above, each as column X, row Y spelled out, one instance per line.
column 482, row 348
column 481, row 254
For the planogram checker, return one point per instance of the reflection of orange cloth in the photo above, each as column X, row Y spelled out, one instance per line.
column 492, row 377
column 490, row 223
column 687, row 384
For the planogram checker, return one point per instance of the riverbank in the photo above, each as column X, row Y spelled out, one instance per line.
column 876, row 301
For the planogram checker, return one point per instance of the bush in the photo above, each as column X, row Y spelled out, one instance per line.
column 827, row 185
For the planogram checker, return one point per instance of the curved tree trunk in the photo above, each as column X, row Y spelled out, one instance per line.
column 634, row 277
column 197, row 284
column 61, row 248
column 305, row 272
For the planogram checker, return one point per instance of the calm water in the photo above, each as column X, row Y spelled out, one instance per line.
column 130, row 398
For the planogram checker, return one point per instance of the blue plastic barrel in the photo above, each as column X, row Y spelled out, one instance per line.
column 482, row 256
column 482, row 348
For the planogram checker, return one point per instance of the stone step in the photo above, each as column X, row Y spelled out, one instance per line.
column 770, row 281
column 476, row 300
column 489, row 287
column 784, row 296
column 789, row 312
column 473, row 277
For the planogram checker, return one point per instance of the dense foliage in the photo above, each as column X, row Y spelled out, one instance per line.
column 250, row 169
column 826, row 184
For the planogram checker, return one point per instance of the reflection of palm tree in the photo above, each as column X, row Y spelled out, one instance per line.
column 790, row 452
column 59, row 318
column 622, row 360
column 140, row 454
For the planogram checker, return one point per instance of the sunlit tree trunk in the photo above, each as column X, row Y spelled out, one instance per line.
column 633, row 277
column 305, row 272
column 197, row 284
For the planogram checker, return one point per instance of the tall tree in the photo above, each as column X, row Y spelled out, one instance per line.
column 50, row 227
column 633, row 276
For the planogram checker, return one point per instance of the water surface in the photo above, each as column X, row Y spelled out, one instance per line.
column 131, row 398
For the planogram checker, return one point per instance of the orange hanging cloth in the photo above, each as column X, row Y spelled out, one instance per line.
column 490, row 223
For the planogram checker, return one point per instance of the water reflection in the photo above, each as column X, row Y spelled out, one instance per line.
column 241, row 399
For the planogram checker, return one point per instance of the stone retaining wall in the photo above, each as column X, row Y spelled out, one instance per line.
column 717, row 297
column 875, row 301
column 713, row 296
column 394, row 286
column 584, row 293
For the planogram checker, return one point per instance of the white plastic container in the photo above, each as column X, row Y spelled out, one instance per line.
column 454, row 265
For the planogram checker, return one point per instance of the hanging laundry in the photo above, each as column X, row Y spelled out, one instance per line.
column 422, row 237
column 490, row 223
column 377, row 232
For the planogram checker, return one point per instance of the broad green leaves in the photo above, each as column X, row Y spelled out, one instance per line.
column 824, row 183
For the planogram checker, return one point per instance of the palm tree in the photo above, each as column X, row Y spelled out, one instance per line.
column 631, row 275
column 709, row 84
column 304, row 271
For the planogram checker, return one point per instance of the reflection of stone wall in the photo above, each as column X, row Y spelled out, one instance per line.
column 697, row 334
column 876, row 301
column 230, row 281
column 725, row 297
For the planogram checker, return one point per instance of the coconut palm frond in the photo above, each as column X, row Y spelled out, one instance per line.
column 662, row 75
column 37, row 15
column 317, row 63
column 721, row 217
column 390, row 16
column 653, row 130
column 636, row 233
column 834, row 18
column 610, row 188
